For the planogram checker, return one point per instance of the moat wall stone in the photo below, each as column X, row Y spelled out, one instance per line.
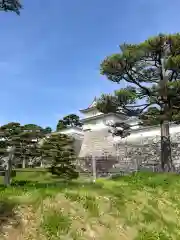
column 127, row 155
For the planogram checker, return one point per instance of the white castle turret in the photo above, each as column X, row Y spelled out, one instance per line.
column 94, row 138
column 97, row 140
column 94, row 120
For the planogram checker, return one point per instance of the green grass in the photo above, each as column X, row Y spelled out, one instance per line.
column 55, row 222
column 137, row 207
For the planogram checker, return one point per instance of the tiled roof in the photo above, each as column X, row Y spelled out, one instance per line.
column 92, row 105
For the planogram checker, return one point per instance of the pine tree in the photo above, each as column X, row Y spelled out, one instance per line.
column 25, row 139
column 27, row 142
column 10, row 5
column 47, row 130
column 60, row 125
column 8, row 134
column 71, row 120
column 58, row 150
column 152, row 70
column 3, row 153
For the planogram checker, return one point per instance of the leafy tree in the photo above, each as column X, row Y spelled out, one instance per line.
column 60, row 125
column 10, row 5
column 25, row 139
column 8, row 133
column 152, row 70
column 47, row 130
column 58, row 151
column 35, row 134
column 3, row 153
column 71, row 120
column 27, row 143
column 18, row 145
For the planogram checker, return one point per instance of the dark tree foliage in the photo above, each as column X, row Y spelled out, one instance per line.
column 152, row 70
column 59, row 152
column 8, row 134
column 10, row 5
column 27, row 143
column 60, row 125
column 25, row 139
column 119, row 129
column 47, row 130
column 71, row 120
column 3, row 153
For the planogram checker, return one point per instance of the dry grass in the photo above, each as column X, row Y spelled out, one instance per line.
column 135, row 208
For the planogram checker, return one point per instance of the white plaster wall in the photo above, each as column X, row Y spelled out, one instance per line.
column 151, row 132
column 91, row 113
column 70, row 131
column 133, row 122
column 97, row 124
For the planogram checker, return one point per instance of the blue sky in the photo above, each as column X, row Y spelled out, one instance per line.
column 50, row 55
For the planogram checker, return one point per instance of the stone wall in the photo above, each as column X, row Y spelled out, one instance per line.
column 104, row 164
column 145, row 153
column 77, row 145
column 140, row 154
column 97, row 143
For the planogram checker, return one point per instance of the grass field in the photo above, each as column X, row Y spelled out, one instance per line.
column 139, row 207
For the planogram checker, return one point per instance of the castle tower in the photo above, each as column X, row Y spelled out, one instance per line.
column 97, row 140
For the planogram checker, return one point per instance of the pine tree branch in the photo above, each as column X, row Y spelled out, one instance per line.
column 176, row 107
column 127, row 108
column 137, row 106
column 139, row 74
column 172, row 76
column 150, row 60
column 137, row 83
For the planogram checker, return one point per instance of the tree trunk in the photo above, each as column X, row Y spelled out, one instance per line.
column 42, row 164
column 24, row 163
column 7, row 177
column 166, row 159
